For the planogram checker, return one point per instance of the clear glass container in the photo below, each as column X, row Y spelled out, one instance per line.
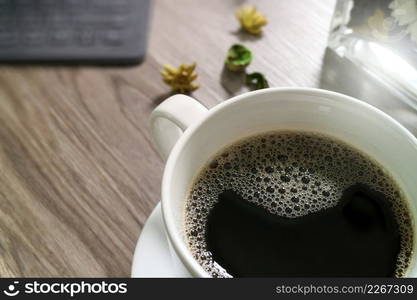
column 379, row 36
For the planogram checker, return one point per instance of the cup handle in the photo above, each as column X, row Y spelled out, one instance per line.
column 171, row 118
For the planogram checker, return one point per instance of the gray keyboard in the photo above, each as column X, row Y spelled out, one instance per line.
column 73, row 31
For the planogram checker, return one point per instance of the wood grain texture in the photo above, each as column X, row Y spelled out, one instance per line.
column 78, row 172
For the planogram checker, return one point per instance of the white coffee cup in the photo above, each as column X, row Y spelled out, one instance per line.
column 188, row 135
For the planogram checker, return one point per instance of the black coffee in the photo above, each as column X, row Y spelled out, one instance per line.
column 297, row 204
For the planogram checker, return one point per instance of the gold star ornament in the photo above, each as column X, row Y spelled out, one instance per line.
column 251, row 19
column 180, row 79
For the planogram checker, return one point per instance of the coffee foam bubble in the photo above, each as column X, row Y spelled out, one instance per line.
column 290, row 174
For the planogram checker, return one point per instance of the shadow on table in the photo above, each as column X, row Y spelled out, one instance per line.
column 232, row 82
column 244, row 36
column 340, row 75
column 158, row 99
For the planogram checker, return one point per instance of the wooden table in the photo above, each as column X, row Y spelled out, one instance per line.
column 78, row 171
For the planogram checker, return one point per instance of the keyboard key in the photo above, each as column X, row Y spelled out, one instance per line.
column 113, row 38
column 86, row 37
column 7, row 22
column 61, row 37
column 58, row 20
column 118, row 22
column 116, row 6
column 25, row 4
column 49, row 4
column 86, row 19
column 32, row 38
column 8, row 38
column 109, row 22
column 76, row 5
column 29, row 22
column 5, row 3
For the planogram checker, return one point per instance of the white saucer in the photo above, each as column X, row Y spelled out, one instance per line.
column 152, row 256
